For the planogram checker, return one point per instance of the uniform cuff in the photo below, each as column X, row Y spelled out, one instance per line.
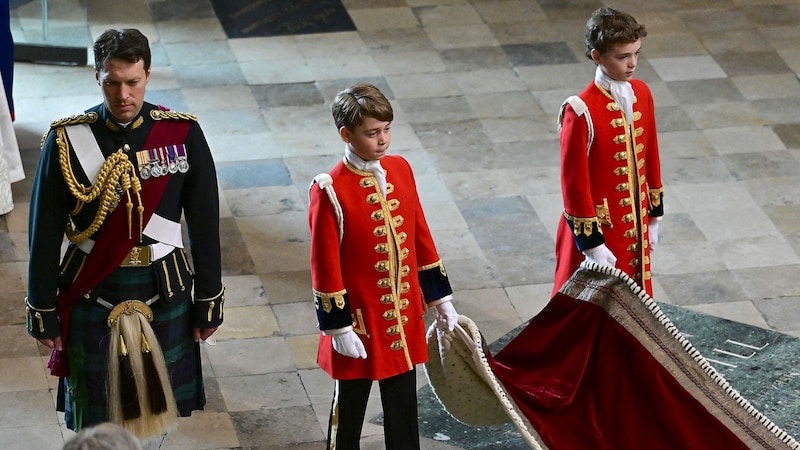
column 207, row 312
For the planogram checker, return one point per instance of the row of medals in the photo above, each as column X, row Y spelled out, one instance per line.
column 158, row 168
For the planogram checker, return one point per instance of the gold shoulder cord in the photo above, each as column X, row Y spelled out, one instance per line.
column 158, row 114
column 116, row 175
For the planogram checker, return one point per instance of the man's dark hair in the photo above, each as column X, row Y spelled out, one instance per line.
column 127, row 44
column 608, row 27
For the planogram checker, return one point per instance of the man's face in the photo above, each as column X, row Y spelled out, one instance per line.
column 123, row 85
column 370, row 140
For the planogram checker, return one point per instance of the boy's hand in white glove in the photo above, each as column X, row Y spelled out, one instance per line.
column 601, row 255
column 446, row 316
column 347, row 342
column 652, row 231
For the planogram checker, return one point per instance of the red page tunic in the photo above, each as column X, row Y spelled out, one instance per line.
column 372, row 280
column 610, row 186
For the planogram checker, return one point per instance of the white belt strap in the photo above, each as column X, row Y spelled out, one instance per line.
column 157, row 250
column 164, row 230
column 110, row 305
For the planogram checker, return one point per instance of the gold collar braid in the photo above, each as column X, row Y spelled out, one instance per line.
column 116, row 175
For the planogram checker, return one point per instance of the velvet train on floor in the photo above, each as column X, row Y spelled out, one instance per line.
column 600, row 367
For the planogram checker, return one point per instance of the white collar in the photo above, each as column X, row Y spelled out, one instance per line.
column 621, row 91
column 373, row 167
column 361, row 164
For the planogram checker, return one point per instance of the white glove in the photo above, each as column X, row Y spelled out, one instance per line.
column 601, row 255
column 652, row 231
column 348, row 343
column 446, row 316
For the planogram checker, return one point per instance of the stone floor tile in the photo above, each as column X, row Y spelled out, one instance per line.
column 528, row 300
column 217, row 98
column 744, row 312
column 304, row 350
column 250, row 356
column 275, row 390
column 778, row 313
column 747, row 139
column 704, row 91
column 768, row 86
column 245, row 322
column 20, row 374
column 768, row 282
column 33, row 436
column 244, row 290
column 379, row 19
column 18, row 407
column 14, row 343
column 460, row 36
column 275, row 427
column 702, row 287
column 296, row 318
column 203, row 430
column 687, row 68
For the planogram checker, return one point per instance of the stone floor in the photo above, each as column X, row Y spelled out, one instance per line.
column 476, row 86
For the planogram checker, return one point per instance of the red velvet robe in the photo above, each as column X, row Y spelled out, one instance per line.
column 611, row 186
column 602, row 368
column 372, row 280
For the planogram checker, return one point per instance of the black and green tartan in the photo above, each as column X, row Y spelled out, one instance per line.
column 82, row 395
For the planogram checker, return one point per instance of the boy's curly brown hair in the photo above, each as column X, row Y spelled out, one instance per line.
column 608, row 27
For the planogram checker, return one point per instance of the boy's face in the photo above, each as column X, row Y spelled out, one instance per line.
column 370, row 140
column 620, row 61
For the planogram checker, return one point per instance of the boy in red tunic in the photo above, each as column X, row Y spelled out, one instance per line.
column 375, row 271
column 610, row 169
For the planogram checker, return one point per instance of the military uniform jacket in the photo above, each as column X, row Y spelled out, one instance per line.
column 381, row 275
column 192, row 192
column 610, row 181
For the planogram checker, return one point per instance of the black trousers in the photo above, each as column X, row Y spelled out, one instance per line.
column 399, row 401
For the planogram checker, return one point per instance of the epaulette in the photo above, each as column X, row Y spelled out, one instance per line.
column 90, row 117
column 158, row 114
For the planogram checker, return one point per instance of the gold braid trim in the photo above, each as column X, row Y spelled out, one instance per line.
column 71, row 120
column 655, row 197
column 158, row 114
column 583, row 224
column 74, row 120
column 438, row 264
column 116, row 175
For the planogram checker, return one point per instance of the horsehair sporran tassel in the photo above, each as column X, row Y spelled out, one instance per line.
column 129, row 323
column 129, row 399
column 155, row 392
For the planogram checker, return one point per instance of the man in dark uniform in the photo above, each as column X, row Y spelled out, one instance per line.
column 117, row 180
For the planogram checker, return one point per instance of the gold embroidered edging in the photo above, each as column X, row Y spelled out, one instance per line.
column 583, row 224
column 655, row 196
column 90, row 117
column 207, row 299
column 438, row 264
column 158, row 114
column 326, row 301
column 34, row 313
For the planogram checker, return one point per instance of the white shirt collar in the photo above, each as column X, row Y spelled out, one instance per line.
column 621, row 91
column 361, row 164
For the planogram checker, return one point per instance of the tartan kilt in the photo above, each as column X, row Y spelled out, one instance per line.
column 82, row 395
